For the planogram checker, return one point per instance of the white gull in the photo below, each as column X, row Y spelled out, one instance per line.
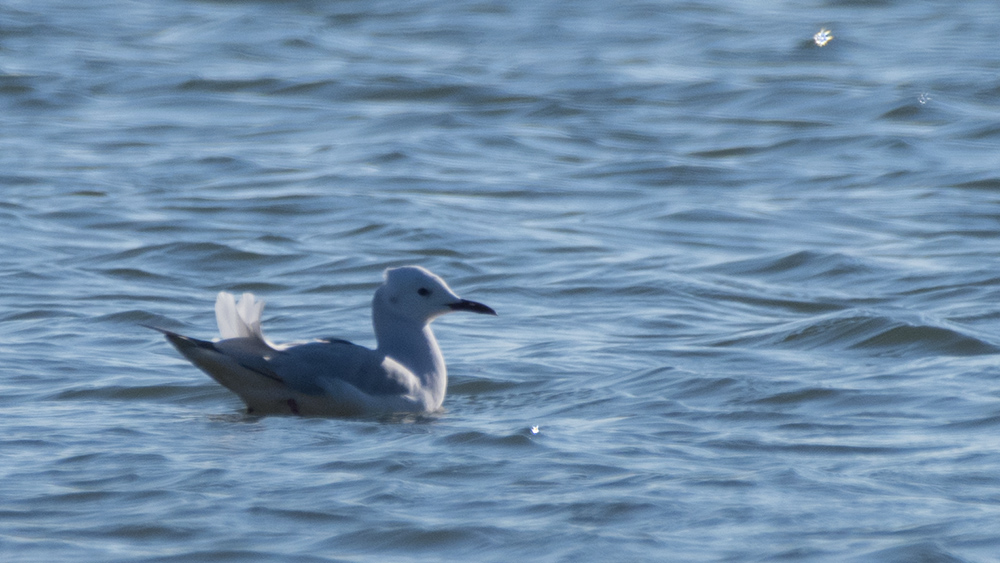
column 332, row 377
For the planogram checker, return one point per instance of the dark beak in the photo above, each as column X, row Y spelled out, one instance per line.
column 472, row 307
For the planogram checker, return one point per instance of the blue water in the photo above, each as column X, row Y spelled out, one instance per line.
column 749, row 288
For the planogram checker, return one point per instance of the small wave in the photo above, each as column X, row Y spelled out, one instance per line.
column 259, row 85
column 982, row 423
column 876, row 333
column 132, row 274
column 904, row 337
column 820, row 448
column 182, row 393
column 306, row 517
column 132, row 317
column 919, row 550
column 655, row 173
column 39, row 314
column 470, row 540
column 800, row 396
column 990, row 184
column 799, row 266
column 472, row 437
column 479, row 387
column 203, row 255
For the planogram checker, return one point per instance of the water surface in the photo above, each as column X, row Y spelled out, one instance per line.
column 747, row 286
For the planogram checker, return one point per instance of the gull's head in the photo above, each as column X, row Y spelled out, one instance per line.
column 417, row 294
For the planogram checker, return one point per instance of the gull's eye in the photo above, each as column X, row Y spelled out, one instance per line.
column 423, row 292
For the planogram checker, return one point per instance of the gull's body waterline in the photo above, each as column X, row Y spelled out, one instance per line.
column 331, row 377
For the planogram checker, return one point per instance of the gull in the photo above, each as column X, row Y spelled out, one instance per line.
column 405, row 373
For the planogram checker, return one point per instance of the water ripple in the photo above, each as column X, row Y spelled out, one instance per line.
column 746, row 285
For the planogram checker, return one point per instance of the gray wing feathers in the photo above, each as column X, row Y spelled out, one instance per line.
column 308, row 368
column 314, row 368
column 251, row 353
column 302, row 367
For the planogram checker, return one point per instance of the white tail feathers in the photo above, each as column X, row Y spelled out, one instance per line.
column 241, row 319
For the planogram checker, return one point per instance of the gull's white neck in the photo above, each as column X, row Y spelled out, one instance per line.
column 412, row 344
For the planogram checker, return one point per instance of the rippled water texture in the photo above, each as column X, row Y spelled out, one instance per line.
column 749, row 287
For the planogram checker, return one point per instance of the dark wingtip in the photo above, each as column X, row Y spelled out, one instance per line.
column 179, row 340
column 472, row 307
